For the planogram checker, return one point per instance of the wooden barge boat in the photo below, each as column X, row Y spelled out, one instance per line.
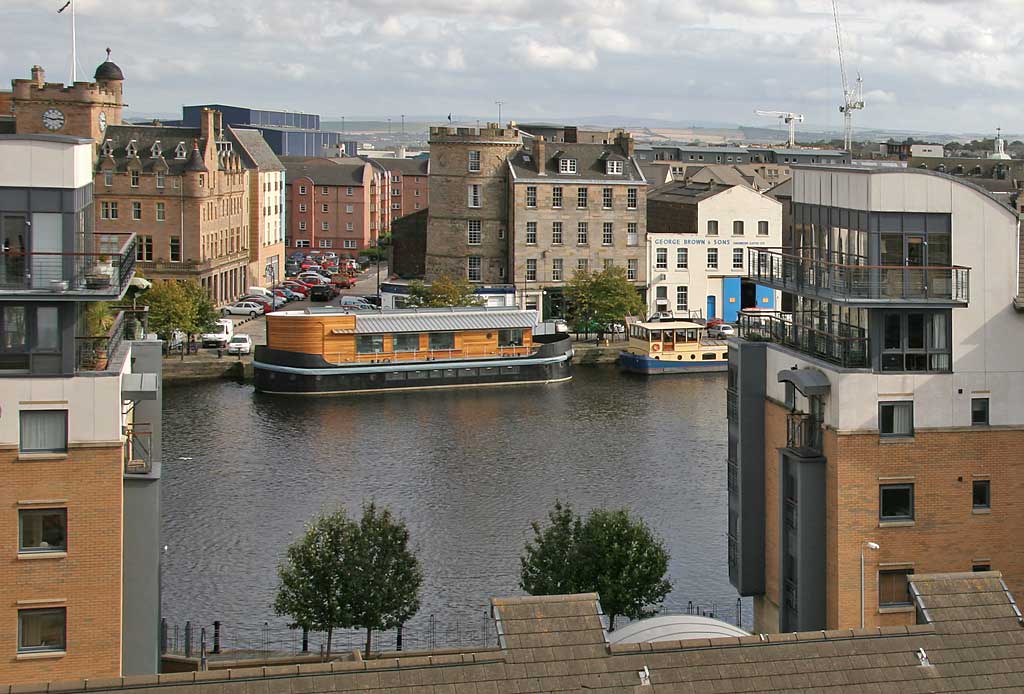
column 672, row 347
column 333, row 350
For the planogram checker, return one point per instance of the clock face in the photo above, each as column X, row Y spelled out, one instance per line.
column 103, row 121
column 53, row 119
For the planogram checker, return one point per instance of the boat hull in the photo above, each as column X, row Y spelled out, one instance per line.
column 293, row 373
column 640, row 364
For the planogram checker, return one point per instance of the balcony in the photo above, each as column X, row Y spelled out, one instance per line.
column 99, row 273
column 844, row 345
column 859, row 285
column 803, row 433
column 99, row 353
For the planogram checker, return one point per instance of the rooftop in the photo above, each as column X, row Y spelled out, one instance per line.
column 686, row 193
column 590, row 163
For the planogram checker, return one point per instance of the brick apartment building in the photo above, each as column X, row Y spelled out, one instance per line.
column 880, row 420
column 186, row 192
column 409, row 188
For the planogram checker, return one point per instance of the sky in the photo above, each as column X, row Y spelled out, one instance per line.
column 928, row 65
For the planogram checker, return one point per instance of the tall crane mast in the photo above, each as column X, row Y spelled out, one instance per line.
column 790, row 119
column 853, row 99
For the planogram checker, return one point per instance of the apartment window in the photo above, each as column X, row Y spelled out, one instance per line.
column 348, row 190
column 202, row 180
column 682, row 298
column 631, row 198
column 473, row 195
column 531, row 269
column 607, row 263
column 44, row 431
column 108, row 178
column 43, row 630
column 896, row 418
column 581, row 197
column 632, row 264
column 160, row 179
column 442, row 341
column 981, row 567
column 894, row 588
column 473, row 231
column 916, row 341
column 348, row 209
column 135, row 179
column 737, row 259
column 325, row 226
column 302, row 207
column 531, row 196
column 474, row 160
column 661, row 259
column 349, row 226
column 406, row 342
column 323, row 191
column 43, row 530
column 301, row 243
column 501, row 233
column 302, row 226
column 326, row 243
column 582, row 265
column 979, row 412
column 396, row 205
column 712, row 259
column 108, row 210
column 712, row 227
column 606, row 198
column 396, row 191
column 981, row 494
column 556, row 233
column 144, row 249
column 531, row 233
column 175, row 250
column 607, row 236
column 896, row 502
column 632, row 235
column 682, row 258
column 136, row 211
column 302, row 190
column 473, row 268
column 581, row 233
column 567, row 166
column 762, row 228
column 369, row 344
column 161, row 212
column 323, row 208
column 737, row 228
column 556, row 196
column 557, row 268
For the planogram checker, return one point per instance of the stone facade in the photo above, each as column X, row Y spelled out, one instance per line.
column 456, row 154
column 80, row 104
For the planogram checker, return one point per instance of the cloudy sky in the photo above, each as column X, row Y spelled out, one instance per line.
column 931, row 65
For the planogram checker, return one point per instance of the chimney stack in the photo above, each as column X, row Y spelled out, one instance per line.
column 218, row 118
column 540, row 154
column 38, row 76
column 625, row 141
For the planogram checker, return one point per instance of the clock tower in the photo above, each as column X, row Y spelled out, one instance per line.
column 83, row 109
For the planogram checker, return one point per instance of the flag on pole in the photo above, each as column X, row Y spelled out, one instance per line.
column 449, row 115
column 66, row 6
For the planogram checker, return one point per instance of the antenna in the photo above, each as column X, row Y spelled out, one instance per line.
column 500, row 103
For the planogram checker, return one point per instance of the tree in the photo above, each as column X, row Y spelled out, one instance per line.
column 353, row 575
column 445, row 291
column 597, row 299
column 205, row 311
column 609, row 553
column 313, row 577
column 184, row 306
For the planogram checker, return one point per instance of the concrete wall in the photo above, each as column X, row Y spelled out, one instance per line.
column 42, row 162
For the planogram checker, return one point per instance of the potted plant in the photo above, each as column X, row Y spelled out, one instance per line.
column 100, row 274
column 98, row 322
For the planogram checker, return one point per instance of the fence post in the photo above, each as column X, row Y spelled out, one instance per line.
column 305, row 639
column 432, row 625
column 266, row 636
column 398, row 639
column 739, row 612
column 216, row 637
column 202, row 650
column 188, row 639
column 163, row 635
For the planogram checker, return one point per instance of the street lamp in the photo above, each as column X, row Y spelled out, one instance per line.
column 872, row 546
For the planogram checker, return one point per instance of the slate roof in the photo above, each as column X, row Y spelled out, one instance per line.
column 783, row 190
column 556, row 644
column 656, row 173
column 590, row 163
column 406, row 167
column 120, row 136
column 325, row 170
column 685, row 193
column 255, row 150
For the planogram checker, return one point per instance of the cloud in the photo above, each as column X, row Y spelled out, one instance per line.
column 609, row 39
column 554, row 56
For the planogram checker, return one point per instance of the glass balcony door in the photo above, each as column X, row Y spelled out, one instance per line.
column 13, row 239
column 47, row 247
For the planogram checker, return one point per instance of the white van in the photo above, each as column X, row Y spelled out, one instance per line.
column 220, row 334
column 260, row 291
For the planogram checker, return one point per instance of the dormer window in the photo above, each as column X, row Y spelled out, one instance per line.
column 567, row 166
column 132, row 150
column 613, row 167
column 107, row 149
column 155, row 151
column 179, row 151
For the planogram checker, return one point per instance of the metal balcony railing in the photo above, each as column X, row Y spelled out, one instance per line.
column 731, row 403
column 803, row 432
column 98, row 352
column 102, row 270
column 138, row 444
column 859, row 284
column 844, row 345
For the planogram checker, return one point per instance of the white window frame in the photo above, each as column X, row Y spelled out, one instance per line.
column 531, row 233
column 613, row 167
column 302, row 226
column 474, row 268
column 474, row 195
column 737, row 253
column 661, row 258
column 557, row 234
column 349, row 243
column 682, row 259
column 302, row 190
column 712, row 259
column 473, row 163
column 582, row 233
column 161, row 212
column 607, row 234
column 632, row 195
column 557, row 269
column 326, row 243
column 531, row 269
column 566, row 165
column 682, row 292
column 531, row 196
column 474, row 230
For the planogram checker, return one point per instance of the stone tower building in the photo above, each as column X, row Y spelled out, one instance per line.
column 467, row 234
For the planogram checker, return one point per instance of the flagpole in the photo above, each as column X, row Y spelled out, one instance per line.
column 74, row 47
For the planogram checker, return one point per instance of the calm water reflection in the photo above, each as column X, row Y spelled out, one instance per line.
column 468, row 470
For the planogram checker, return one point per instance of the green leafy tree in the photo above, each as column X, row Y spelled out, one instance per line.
column 313, row 588
column 609, row 553
column 597, row 299
column 445, row 291
column 170, row 308
column 205, row 311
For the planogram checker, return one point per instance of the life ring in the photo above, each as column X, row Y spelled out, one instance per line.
column 655, row 347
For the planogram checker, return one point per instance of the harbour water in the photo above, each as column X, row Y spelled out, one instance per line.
column 468, row 470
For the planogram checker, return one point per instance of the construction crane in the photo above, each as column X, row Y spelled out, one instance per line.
column 790, row 119
column 853, row 99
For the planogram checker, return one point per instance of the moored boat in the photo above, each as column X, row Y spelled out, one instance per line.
column 672, row 347
column 333, row 350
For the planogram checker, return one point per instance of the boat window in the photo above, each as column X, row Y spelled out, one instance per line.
column 708, row 356
column 655, row 336
column 691, row 335
column 681, row 336
column 369, row 344
column 442, row 340
column 407, row 342
column 513, row 337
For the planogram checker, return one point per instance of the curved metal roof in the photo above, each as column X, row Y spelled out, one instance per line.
column 676, row 627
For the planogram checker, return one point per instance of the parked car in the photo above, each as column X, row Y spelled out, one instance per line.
column 551, row 326
column 243, row 308
column 240, row 344
column 297, row 256
column 617, row 328
column 321, row 292
column 312, row 278
column 265, row 303
column 287, row 293
column 220, row 333
column 298, row 287
column 356, row 302
column 343, row 281
column 721, row 331
column 371, row 299
column 660, row 316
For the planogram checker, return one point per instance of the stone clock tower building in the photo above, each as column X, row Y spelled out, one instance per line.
column 83, row 109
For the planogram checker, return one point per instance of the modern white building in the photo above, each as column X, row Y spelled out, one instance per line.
column 697, row 241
